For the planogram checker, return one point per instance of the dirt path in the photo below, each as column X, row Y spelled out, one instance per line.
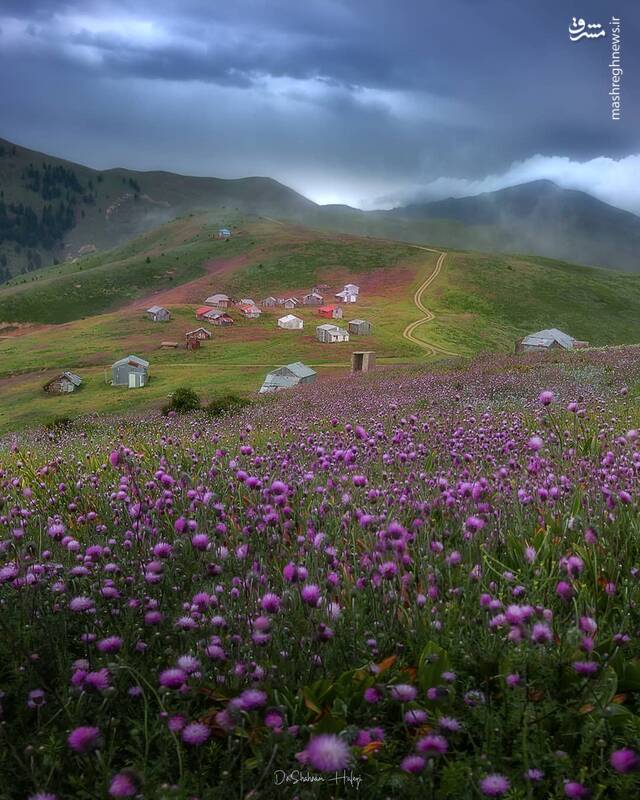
column 432, row 349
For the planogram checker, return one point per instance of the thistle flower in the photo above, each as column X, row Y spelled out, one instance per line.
column 625, row 760
column 84, row 739
column 195, row 734
column 494, row 785
column 327, row 753
column 124, row 784
column 412, row 764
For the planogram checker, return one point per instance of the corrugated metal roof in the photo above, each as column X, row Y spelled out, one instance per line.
column 300, row 369
column 76, row 380
column 155, row 309
column 547, row 337
column 127, row 359
column 290, row 318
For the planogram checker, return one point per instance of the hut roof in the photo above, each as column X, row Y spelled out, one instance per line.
column 155, row 309
column 300, row 370
column 76, row 380
column 131, row 359
column 289, row 318
column 547, row 337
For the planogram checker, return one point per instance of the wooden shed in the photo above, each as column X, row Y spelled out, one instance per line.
column 291, row 322
column 65, row 383
column 159, row 314
column 198, row 333
column 313, row 299
column 363, row 361
column 331, row 334
column 269, row 302
column 330, row 312
column 218, row 301
column 290, row 302
column 219, row 318
column 287, row 376
column 250, row 311
column 548, row 339
column 131, row 371
column 359, row 327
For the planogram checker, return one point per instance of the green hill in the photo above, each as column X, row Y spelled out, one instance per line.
column 53, row 210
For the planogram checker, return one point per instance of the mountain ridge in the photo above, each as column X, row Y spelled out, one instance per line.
column 93, row 209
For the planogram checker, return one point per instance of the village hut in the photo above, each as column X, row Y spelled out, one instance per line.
column 218, row 301
column 291, row 322
column 219, row 318
column 548, row 339
column 290, row 302
column 346, row 296
column 269, row 302
column 359, row 327
column 249, row 310
column 313, row 299
column 330, row 312
column 331, row 334
column 287, row 376
column 131, row 371
column 158, row 314
column 198, row 333
column 224, row 233
column 65, row 383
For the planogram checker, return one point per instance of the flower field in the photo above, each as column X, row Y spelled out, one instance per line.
column 400, row 585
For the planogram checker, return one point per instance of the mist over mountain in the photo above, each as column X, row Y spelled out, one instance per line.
column 55, row 210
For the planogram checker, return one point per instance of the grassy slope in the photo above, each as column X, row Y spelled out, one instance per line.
column 482, row 302
column 98, row 283
column 162, row 197
column 283, row 259
column 485, row 302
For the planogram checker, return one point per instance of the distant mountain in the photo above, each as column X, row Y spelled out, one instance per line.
column 54, row 210
column 537, row 217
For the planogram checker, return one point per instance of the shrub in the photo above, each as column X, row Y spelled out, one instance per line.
column 184, row 399
column 227, row 404
column 57, row 422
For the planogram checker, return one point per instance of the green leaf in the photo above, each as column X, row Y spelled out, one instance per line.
column 433, row 661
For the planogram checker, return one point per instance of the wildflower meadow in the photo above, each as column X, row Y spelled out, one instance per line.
column 399, row 585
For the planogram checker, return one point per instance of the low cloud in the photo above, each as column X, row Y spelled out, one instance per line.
column 611, row 180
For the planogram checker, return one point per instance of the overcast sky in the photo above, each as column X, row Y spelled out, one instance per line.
column 367, row 102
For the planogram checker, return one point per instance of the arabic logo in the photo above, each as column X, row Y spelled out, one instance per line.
column 579, row 29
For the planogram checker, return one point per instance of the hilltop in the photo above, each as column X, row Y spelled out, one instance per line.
column 53, row 210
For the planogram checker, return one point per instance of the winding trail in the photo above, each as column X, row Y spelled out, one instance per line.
column 432, row 349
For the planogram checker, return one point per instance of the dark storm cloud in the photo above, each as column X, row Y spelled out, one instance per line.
column 340, row 97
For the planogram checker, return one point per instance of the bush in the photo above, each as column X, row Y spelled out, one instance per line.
column 184, row 399
column 57, row 422
column 227, row 404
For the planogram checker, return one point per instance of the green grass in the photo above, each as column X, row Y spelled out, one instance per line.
column 172, row 255
column 481, row 302
column 293, row 266
column 486, row 302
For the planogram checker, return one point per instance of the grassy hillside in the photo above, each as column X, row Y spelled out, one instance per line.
column 481, row 303
column 167, row 256
column 54, row 210
column 485, row 302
